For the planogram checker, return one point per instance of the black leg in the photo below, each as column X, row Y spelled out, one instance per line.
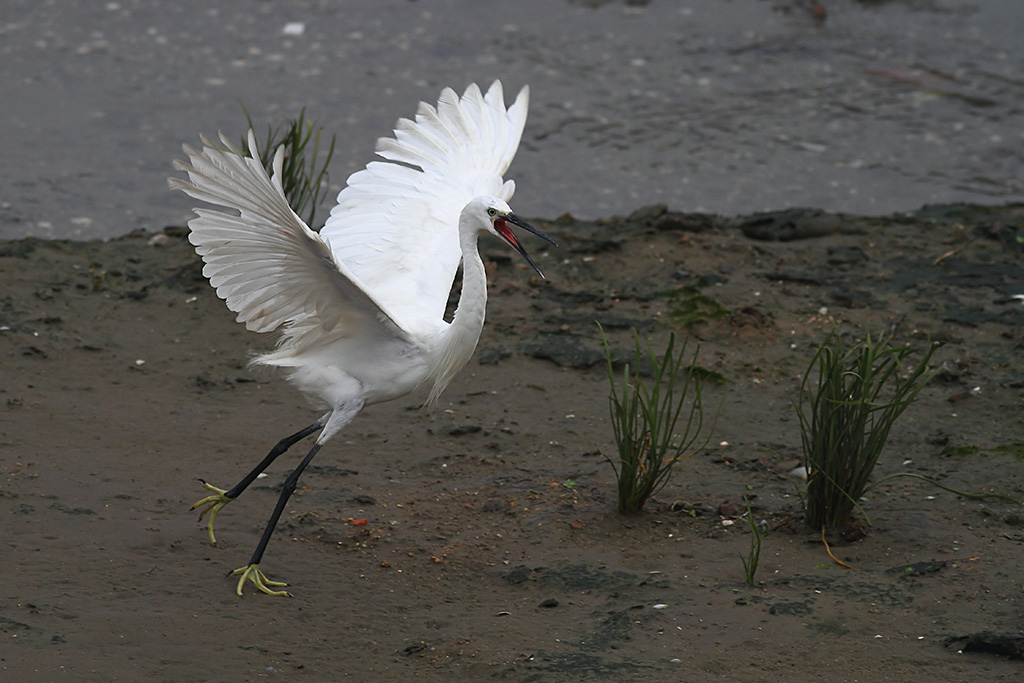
column 279, row 448
column 286, row 492
column 331, row 422
column 215, row 503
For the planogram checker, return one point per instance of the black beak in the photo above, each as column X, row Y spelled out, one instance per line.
column 501, row 226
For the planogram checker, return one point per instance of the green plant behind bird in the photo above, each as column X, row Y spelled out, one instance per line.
column 304, row 181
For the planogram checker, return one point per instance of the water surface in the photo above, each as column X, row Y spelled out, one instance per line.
column 726, row 106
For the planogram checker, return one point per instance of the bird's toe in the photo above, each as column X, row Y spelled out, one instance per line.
column 212, row 505
column 259, row 579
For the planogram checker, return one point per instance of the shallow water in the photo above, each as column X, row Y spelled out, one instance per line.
column 726, row 107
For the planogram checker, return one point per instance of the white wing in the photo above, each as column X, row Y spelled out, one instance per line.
column 397, row 227
column 266, row 264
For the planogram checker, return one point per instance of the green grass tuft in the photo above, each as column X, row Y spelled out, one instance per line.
column 303, row 180
column 656, row 424
column 845, row 419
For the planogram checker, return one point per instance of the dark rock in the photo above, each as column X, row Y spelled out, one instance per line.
column 797, row 277
column 414, row 648
column 563, row 351
column 462, row 430
column 1008, row 645
column 791, row 224
column 684, row 222
column 19, row 248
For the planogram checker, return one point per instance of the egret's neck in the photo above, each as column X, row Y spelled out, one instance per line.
column 469, row 315
column 459, row 339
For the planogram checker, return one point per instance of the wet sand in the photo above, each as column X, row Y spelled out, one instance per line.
column 491, row 547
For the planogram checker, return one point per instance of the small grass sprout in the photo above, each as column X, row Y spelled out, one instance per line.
column 754, row 554
column 303, row 178
column 657, row 423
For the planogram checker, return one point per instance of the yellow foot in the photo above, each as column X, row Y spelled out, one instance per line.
column 259, row 579
column 213, row 505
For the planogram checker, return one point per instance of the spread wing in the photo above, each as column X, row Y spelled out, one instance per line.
column 267, row 265
column 396, row 224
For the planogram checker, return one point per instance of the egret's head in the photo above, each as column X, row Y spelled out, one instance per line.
column 499, row 219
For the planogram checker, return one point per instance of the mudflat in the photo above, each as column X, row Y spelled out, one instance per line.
column 480, row 540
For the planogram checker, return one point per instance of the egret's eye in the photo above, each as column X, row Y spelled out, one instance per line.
column 492, row 212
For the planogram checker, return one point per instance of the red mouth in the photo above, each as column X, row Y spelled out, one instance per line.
column 506, row 232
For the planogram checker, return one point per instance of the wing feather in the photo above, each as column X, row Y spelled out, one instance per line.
column 396, row 223
column 267, row 265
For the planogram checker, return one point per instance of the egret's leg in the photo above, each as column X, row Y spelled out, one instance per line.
column 215, row 503
column 252, row 572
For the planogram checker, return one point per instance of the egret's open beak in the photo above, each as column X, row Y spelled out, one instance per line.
column 501, row 226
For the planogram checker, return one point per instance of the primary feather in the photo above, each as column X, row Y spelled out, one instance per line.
column 263, row 261
column 396, row 227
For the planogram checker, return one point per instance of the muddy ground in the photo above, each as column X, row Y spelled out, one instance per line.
column 492, row 548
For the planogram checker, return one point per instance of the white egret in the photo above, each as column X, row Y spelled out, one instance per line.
column 360, row 307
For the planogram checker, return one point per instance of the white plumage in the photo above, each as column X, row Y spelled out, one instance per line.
column 397, row 227
column 360, row 307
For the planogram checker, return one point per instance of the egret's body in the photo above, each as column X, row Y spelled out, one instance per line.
column 360, row 307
